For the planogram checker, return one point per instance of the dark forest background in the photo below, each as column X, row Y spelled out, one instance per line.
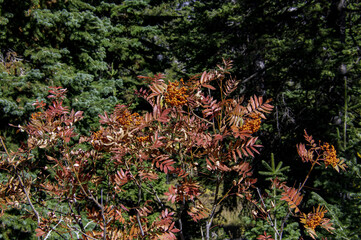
column 305, row 55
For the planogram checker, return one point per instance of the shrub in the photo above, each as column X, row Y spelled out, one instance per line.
column 148, row 175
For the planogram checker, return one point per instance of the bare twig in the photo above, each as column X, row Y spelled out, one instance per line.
column 138, row 217
column 22, row 185
column 53, row 229
column 211, row 216
column 75, row 218
column 268, row 215
column 103, row 216
column 79, row 230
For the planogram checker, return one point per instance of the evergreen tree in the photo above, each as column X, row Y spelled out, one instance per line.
column 96, row 49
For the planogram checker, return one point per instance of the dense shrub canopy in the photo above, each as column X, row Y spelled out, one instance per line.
column 303, row 55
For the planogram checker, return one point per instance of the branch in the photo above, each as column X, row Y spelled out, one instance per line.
column 201, row 118
column 215, row 204
column 268, row 215
column 22, row 184
column 53, row 229
column 250, row 77
column 138, row 217
column 103, row 216
column 27, row 196
column 75, row 218
column 77, row 229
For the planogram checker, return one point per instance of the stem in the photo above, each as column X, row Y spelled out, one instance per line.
column 181, row 229
column 22, row 185
column 226, row 195
column 274, row 199
column 53, row 229
column 138, row 217
column 345, row 116
column 104, row 220
column 157, row 197
column 275, row 224
column 139, row 198
column 75, row 218
column 268, row 215
column 83, row 233
column 308, row 175
column 180, row 219
column 203, row 119
column 213, row 124
column 27, row 196
column 211, row 216
column 90, row 196
column 284, row 222
column 299, row 190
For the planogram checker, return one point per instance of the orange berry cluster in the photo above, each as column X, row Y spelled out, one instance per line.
column 97, row 135
column 251, row 124
column 142, row 139
column 313, row 219
column 329, row 155
column 126, row 118
column 138, row 119
column 175, row 95
column 98, row 139
column 36, row 115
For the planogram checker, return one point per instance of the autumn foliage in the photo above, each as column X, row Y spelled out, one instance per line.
column 193, row 135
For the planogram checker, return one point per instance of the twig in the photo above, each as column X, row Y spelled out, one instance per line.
column 103, row 216
column 345, row 116
column 77, row 229
column 28, row 197
column 268, row 215
column 250, row 77
column 215, row 204
column 22, row 185
column 203, row 119
column 138, row 217
column 75, row 218
column 53, row 229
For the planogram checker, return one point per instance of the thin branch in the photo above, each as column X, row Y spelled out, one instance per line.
column 250, row 77
column 138, row 217
column 345, row 116
column 79, row 230
column 181, row 229
column 28, row 197
column 53, row 229
column 284, row 222
column 157, row 197
column 203, row 119
column 22, row 184
column 215, row 204
column 75, row 218
column 268, row 215
column 103, row 216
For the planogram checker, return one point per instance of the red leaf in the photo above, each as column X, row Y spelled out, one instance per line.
column 39, row 232
column 208, row 86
